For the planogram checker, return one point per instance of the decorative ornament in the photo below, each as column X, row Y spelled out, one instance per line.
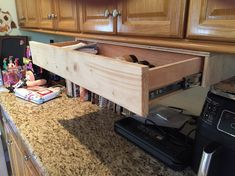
column 6, row 22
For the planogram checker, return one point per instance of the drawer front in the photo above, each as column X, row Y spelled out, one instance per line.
column 123, row 83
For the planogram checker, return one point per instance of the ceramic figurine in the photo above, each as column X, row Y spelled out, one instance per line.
column 5, row 64
column 16, row 62
column 11, row 64
column 28, row 52
column 26, row 60
column 30, row 66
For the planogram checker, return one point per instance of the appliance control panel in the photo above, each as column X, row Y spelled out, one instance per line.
column 226, row 123
column 210, row 112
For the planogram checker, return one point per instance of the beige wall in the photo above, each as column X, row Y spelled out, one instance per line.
column 191, row 100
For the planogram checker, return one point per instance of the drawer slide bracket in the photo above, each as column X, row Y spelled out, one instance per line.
column 185, row 83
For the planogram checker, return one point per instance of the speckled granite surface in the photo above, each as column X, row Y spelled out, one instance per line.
column 68, row 137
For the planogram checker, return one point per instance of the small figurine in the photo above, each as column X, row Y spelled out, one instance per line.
column 30, row 66
column 16, row 62
column 5, row 64
column 28, row 52
column 26, row 60
column 11, row 64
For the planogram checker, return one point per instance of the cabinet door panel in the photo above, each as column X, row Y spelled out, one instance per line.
column 92, row 18
column 10, row 150
column 31, row 13
column 212, row 19
column 162, row 18
column 20, row 165
column 30, row 169
column 45, row 10
column 16, row 157
column 66, row 11
column 20, row 7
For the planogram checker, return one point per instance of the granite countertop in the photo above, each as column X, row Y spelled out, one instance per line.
column 69, row 137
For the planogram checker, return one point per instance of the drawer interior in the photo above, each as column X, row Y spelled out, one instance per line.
column 169, row 67
column 127, row 84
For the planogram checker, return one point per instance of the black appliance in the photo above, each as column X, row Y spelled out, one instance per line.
column 166, row 144
column 214, row 153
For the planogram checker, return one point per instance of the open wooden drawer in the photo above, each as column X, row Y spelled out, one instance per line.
column 127, row 84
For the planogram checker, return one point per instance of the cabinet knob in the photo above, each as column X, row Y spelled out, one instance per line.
column 107, row 13
column 49, row 16
column 9, row 142
column 26, row 157
column 22, row 18
column 116, row 13
column 53, row 16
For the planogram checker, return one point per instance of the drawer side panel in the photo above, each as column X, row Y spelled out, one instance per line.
column 171, row 73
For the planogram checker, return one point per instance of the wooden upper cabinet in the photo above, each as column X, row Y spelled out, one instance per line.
column 212, row 20
column 31, row 12
column 66, row 15
column 20, row 8
column 160, row 18
column 45, row 8
column 93, row 19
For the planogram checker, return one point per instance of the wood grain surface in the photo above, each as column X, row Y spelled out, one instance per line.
column 121, row 82
column 212, row 20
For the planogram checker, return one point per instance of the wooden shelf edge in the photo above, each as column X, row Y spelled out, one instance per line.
column 206, row 46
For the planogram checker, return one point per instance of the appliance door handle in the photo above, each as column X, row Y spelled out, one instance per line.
column 207, row 156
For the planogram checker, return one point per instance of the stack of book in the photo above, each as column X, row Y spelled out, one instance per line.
column 39, row 95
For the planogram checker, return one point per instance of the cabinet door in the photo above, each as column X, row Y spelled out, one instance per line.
column 20, row 162
column 20, row 8
column 46, row 11
column 66, row 15
column 93, row 19
column 29, row 169
column 16, row 157
column 212, row 19
column 160, row 18
column 31, row 13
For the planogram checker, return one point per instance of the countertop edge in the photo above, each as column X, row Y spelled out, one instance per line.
column 26, row 144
